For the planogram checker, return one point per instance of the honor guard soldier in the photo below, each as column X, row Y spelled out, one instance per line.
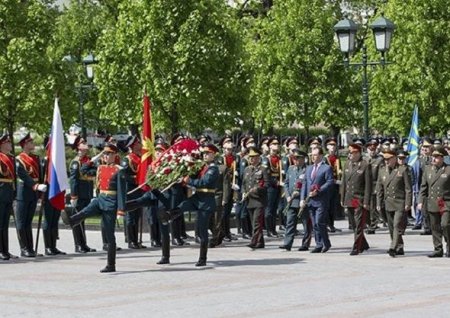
column 202, row 201
column 356, row 189
column 273, row 163
column 81, row 176
column 111, row 184
column 264, row 146
column 29, row 186
column 130, row 164
column 376, row 163
column 51, row 214
column 226, row 186
column 7, row 189
column 295, row 178
column 254, row 185
column 394, row 192
column 435, row 191
column 333, row 160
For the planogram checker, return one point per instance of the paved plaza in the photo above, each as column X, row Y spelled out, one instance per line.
column 237, row 282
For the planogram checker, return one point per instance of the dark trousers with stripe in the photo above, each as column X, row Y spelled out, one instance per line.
column 357, row 217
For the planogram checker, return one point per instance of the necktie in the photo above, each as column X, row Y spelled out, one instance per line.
column 314, row 172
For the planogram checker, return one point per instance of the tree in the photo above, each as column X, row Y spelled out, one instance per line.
column 419, row 74
column 25, row 70
column 188, row 55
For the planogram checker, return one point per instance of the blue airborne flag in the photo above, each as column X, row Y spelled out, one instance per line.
column 413, row 149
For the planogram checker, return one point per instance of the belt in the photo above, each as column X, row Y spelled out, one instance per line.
column 108, row 192
column 205, row 190
column 34, row 179
column 275, row 174
column 87, row 178
column 6, row 180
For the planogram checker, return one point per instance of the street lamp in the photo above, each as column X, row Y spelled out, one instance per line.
column 346, row 31
column 88, row 63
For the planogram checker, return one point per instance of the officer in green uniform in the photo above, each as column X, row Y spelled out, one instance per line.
column 110, row 201
column 28, row 187
column 82, row 173
column 394, row 192
column 355, row 192
column 7, row 188
column 435, row 190
column 425, row 160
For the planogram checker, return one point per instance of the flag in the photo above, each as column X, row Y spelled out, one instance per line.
column 413, row 148
column 57, row 172
column 148, row 149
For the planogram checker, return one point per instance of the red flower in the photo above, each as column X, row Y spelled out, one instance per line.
column 355, row 203
column 315, row 187
column 298, row 185
column 167, row 170
column 441, row 205
column 261, row 183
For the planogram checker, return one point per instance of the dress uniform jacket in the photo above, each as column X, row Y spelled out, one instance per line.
column 205, row 185
column 394, row 188
column 82, row 176
column 255, row 184
column 130, row 164
column 295, row 178
column 29, row 175
column 356, row 183
column 7, row 178
column 435, row 189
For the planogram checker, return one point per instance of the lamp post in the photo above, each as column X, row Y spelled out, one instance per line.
column 88, row 63
column 346, row 31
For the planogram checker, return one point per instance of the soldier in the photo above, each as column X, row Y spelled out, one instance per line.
column 355, row 195
column 254, row 185
column 394, row 192
column 7, row 188
column 202, row 201
column 435, row 191
column 295, row 178
column 51, row 215
column 264, row 146
column 111, row 184
column 376, row 162
column 28, row 186
column 81, row 175
column 425, row 159
column 130, row 165
column 447, row 149
column 242, row 215
column 273, row 163
column 333, row 160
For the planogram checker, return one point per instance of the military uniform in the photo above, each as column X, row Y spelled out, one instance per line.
column 435, row 191
column 111, row 184
column 242, row 216
column 254, row 185
column 376, row 163
column 423, row 218
column 29, row 176
column 333, row 160
column 394, row 192
column 82, row 174
column 355, row 192
column 7, row 189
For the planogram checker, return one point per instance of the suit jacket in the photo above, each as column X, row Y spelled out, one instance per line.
column 435, row 188
column 356, row 184
column 255, row 183
column 394, row 189
column 295, row 178
column 324, row 179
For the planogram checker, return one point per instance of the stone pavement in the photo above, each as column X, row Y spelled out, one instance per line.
column 237, row 282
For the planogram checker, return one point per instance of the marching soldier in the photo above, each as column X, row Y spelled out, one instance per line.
column 425, row 159
column 242, row 216
column 51, row 214
column 333, row 160
column 394, row 192
column 376, row 162
column 435, row 191
column 295, row 178
column 111, row 184
column 254, row 185
column 130, row 166
column 28, row 186
column 7, row 188
column 355, row 195
column 82, row 176
column 273, row 163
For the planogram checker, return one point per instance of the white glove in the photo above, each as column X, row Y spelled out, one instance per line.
column 41, row 187
column 302, row 203
column 235, row 187
column 236, row 174
column 73, row 202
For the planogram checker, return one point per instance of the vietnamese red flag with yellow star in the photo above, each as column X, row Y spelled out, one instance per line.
column 148, row 150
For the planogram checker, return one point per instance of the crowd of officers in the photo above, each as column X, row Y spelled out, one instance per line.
column 268, row 183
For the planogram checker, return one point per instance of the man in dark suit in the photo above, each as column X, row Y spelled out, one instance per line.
column 355, row 195
column 394, row 192
column 315, row 194
column 435, row 191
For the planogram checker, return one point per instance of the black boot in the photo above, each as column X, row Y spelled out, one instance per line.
column 138, row 236
column 75, row 219
column 3, row 255
column 203, row 253
column 29, row 242
column 48, row 242
column 167, row 216
column 165, row 259
column 132, row 239
column 5, row 250
column 54, row 239
column 133, row 205
column 78, row 238
column 155, row 235
column 111, row 264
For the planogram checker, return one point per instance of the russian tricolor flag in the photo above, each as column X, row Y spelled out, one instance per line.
column 57, row 172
